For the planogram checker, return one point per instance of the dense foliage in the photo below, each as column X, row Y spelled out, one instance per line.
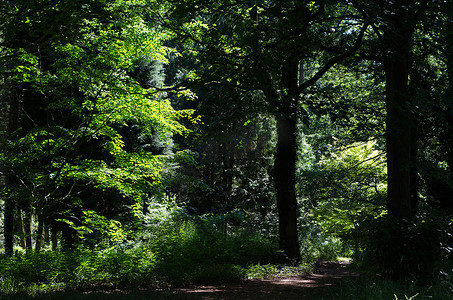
column 168, row 142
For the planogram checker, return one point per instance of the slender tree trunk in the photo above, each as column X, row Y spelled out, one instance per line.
column 39, row 231
column 46, row 234
column 20, row 219
column 28, row 220
column 54, row 238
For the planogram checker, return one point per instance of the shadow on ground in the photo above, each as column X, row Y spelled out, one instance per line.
column 309, row 286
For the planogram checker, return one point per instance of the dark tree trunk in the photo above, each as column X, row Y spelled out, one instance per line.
column 285, row 162
column 397, row 40
column 284, row 177
column 448, row 38
column 67, row 239
column 398, row 139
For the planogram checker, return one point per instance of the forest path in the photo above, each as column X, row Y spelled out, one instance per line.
column 309, row 286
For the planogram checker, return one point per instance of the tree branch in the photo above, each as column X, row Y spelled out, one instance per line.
column 333, row 61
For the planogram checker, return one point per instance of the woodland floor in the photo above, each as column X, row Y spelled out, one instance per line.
column 309, row 286
column 298, row 287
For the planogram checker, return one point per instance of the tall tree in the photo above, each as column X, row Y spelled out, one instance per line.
column 261, row 46
column 395, row 23
column 399, row 27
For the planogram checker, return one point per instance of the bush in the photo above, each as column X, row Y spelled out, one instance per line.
column 185, row 252
column 192, row 249
column 116, row 266
column 317, row 246
column 43, row 267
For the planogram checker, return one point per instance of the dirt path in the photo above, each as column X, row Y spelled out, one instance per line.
column 300, row 287
column 309, row 286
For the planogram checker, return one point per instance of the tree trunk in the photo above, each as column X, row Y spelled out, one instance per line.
column 46, row 234
column 20, row 219
column 27, row 220
column 54, row 238
column 399, row 123
column 285, row 162
column 398, row 139
column 284, row 177
column 448, row 38
column 39, row 231
column 41, row 217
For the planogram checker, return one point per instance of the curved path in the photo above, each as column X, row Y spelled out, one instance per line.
column 299, row 287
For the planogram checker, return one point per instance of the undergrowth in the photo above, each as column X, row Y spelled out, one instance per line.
column 190, row 252
column 187, row 253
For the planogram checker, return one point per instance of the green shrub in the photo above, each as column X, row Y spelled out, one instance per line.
column 43, row 267
column 7, row 284
column 186, row 252
column 192, row 249
column 116, row 266
column 317, row 245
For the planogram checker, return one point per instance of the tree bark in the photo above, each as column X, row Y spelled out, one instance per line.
column 27, row 220
column 20, row 221
column 397, row 40
column 54, row 238
column 398, row 139
column 46, row 234
column 285, row 162
column 39, row 231
column 284, row 178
